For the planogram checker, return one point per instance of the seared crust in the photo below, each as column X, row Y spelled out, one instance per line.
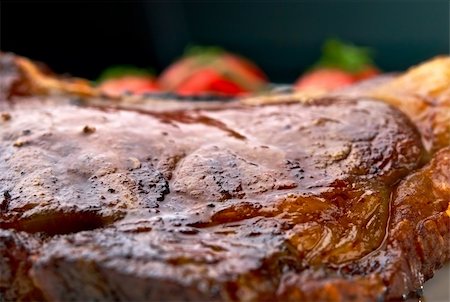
column 294, row 201
column 423, row 93
column 16, row 250
column 416, row 246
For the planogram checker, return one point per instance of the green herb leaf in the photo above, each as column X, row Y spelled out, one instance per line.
column 197, row 50
column 344, row 56
column 119, row 71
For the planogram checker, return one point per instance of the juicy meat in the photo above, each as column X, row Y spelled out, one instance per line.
column 106, row 200
column 417, row 243
column 424, row 94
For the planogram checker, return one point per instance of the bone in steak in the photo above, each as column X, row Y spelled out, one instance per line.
column 325, row 200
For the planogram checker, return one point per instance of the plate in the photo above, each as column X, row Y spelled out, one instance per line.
column 437, row 289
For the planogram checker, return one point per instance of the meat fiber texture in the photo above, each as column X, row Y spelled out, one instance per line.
column 333, row 198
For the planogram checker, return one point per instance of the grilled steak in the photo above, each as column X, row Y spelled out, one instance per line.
column 423, row 94
column 133, row 200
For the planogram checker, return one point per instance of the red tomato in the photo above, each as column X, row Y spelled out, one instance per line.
column 236, row 70
column 367, row 73
column 178, row 72
column 209, row 81
column 327, row 79
column 244, row 66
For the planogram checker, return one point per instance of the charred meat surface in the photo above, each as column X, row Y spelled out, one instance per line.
column 424, row 94
column 324, row 200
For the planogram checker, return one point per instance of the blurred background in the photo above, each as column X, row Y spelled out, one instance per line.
column 282, row 37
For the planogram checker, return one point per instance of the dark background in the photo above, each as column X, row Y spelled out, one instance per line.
column 283, row 37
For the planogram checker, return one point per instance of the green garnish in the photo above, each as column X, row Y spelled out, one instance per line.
column 119, row 71
column 203, row 54
column 197, row 50
column 344, row 56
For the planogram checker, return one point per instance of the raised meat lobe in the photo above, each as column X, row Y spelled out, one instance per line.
column 144, row 199
column 212, row 195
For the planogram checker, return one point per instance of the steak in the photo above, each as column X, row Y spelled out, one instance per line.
column 423, row 93
column 147, row 199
